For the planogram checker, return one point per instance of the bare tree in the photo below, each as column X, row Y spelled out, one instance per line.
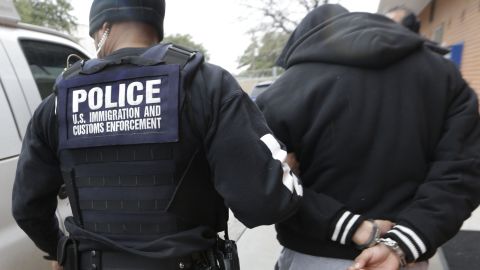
column 279, row 19
column 281, row 15
column 309, row 5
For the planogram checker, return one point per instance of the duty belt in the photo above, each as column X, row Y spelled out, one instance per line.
column 106, row 260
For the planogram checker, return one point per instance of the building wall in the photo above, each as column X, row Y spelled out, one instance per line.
column 461, row 23
column 415, row 5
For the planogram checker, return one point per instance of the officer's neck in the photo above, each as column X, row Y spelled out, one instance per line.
column 130, row 36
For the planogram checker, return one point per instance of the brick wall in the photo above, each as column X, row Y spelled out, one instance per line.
column 461, row 23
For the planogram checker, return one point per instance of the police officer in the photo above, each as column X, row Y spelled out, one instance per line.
column 152, row 144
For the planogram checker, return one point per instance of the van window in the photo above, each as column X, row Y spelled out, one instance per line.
column 9, row 137
column 46, row 61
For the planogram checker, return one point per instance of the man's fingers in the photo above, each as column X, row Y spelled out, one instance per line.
column 56, row 266
column 384, row 225
column 362, row 260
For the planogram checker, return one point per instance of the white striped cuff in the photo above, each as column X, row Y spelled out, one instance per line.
column 344, row 226
column 411, row 243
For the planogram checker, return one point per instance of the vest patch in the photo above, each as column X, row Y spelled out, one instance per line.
column 136, row 105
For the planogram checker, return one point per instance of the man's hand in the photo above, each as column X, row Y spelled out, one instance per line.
column 384, row 226
column 364, row 232
column 361, row 236
column 56, row 266
column 379, row 257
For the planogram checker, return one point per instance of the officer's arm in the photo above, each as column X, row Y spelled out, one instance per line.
column 452, row 187
column 37, row 182
column 248, row 163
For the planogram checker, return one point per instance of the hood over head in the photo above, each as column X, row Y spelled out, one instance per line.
column 330, row 34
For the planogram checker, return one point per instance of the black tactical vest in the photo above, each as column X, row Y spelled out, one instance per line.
column 147, row 181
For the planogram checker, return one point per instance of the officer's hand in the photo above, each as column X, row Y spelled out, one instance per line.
column 293, row 163
column 56, row 266
column 378, row 257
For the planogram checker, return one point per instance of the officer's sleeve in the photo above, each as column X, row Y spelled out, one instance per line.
column 248, row 163
column 451, row 190
column 37, row 182
column 319, row 215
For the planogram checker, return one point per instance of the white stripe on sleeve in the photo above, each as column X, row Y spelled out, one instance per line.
column 348, row 228
column 407, row 242
column 289, row 179
column 414, row 236
column 339, row 224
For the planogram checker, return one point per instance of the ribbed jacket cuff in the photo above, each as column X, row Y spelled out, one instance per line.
column 409, row 241
column 344, row 226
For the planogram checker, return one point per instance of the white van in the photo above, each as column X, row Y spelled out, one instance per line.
column 31, row 58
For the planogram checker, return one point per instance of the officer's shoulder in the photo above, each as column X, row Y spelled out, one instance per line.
column 212, row 68
column 219, row 79
column 73, row 69
column 69, row 72
column 219, row 82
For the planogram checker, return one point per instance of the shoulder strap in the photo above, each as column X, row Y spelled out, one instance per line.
column 182, row 56
column 178, row 55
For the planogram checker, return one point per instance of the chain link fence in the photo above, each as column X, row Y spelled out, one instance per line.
column 248, row 79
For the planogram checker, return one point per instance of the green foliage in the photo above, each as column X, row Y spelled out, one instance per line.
column 187, row 42
column 49, row 13
column 262, row 54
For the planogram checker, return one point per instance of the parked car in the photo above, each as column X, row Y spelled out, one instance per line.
column 31, row 58
column 259, row 88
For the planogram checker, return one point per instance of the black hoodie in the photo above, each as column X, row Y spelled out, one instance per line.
column 383, row 128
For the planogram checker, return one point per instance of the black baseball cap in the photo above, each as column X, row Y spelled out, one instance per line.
column 151, row 12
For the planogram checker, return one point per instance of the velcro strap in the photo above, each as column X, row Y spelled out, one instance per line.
column 124, row 205
column 130, row 228
column 124, row 181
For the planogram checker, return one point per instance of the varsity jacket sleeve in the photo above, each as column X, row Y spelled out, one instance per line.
column 37, row 182
column 248, row 163
column 451, row 190
column 319, row 216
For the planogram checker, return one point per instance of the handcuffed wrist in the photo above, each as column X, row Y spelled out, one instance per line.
column 372, row 239
column 395, row 248
column 409, row 241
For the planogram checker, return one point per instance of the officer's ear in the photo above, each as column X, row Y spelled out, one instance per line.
column 104, row 32
column 101, row 32
column 106, row 26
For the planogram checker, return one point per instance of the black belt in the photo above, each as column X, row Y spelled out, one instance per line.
column 105, row 260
